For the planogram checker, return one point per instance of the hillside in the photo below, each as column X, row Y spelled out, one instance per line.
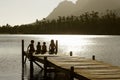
column 67, row 8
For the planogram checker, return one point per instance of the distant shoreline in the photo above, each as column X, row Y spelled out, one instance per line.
column 64, row 34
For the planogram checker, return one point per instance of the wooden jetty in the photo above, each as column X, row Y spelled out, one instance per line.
column 75, row 67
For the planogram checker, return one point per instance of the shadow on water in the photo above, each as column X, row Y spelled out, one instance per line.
column 51, row 76
column 39, row 74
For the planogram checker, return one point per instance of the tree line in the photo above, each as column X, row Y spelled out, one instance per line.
column 87, row 23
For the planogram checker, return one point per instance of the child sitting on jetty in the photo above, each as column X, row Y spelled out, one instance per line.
column 52, row 47
column 44, row 48
column 38, row 47
column 31, row 48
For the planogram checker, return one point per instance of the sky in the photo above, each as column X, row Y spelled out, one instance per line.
column 17, row 12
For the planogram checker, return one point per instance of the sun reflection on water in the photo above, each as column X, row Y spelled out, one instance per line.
column 67, row 43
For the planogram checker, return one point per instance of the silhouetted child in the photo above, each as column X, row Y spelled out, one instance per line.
column 52, row 47
column 38, row 47
column 31, row 48
column 44, row 48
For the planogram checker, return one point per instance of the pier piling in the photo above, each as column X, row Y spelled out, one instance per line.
column 45, row 68
column 22, row 59
column 56, row 46
column 72, row 73
column 93, row 57
column 71, row 54
column 31, row 66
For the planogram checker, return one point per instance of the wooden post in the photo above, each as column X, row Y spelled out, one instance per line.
column 71, row 54
column 31, row 66
column 45, row 68
column 22, row 59
column 72, row 73
column 56, row 46
column 93, row 57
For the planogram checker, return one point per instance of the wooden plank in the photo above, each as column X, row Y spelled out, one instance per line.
column 77, row 63
column 105, row 79
column 81, row 65
column 45, row 55
column 101, row 70
column 68, row 60
column 91, row 66
column 95, row 70
column 110, row 76
column 106, row 73
column 100, row 76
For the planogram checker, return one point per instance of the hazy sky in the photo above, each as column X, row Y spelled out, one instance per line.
column 16, row 12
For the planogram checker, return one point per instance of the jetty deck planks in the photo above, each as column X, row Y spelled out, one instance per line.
column 88, row 68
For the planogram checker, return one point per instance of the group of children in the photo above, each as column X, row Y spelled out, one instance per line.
column 42, row 49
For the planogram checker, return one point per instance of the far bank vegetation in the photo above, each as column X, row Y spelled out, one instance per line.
column 87, row 23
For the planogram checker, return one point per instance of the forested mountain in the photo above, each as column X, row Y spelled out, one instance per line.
column 68, row 8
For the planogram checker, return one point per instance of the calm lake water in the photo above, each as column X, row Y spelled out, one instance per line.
column 106, row 48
